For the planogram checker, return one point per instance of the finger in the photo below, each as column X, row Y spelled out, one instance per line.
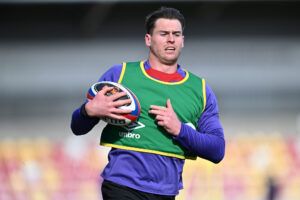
column 159, row 118
column 117, row 95
column 154, row 107
column 106, row 89
column 120, row 111
column 161, row 123
column 157, row 112
column 169, row 105
column 116, row 116
column 119, row 103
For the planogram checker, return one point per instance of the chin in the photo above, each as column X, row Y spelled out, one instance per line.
column 169, row 62
column 171, row 58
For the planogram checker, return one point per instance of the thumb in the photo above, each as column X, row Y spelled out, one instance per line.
column 169, row 105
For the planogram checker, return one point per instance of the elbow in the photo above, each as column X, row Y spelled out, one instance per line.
column 77, row 133
column 77, row 130
column 219, row 155
column 216, row 152
column 218, row 158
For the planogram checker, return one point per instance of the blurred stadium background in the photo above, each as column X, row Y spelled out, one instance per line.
column 52, row 51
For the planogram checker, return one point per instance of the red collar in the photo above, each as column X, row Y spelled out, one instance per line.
column 175, row 77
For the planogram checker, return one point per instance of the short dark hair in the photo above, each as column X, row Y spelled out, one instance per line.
column 166, row 13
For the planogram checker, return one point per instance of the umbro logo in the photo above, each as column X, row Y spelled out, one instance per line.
column 133, row 126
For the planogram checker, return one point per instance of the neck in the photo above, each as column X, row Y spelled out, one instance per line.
column 159, row 66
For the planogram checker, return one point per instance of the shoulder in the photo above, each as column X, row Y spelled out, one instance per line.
column 211, row 100
column 196, row 79
column 112, row 74
column 209, row 92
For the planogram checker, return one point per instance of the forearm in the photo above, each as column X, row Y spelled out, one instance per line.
column 81, row 123
column 207, row 146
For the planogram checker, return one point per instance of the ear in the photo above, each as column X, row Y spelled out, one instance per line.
column 148, row 40
column 182, row 42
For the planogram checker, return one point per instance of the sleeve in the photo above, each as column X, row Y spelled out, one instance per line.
column 81, row 123
column 208, row 140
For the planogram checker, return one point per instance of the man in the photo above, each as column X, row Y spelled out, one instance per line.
column 179, row 117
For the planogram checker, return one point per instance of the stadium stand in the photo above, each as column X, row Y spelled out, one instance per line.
column 44, row 169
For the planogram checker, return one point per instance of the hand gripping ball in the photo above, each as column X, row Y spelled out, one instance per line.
column 134, row 105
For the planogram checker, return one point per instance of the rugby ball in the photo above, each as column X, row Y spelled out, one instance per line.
column 134, row 105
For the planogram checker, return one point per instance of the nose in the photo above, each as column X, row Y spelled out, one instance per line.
column 171, row 38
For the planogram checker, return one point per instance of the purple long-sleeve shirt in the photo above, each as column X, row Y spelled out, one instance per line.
column 151, row 172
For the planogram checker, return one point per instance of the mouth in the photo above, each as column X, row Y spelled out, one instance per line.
column 170, row 49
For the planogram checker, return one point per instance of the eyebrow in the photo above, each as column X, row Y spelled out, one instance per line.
column 174, row 32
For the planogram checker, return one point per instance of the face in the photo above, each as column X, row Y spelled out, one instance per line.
column 166, row 41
